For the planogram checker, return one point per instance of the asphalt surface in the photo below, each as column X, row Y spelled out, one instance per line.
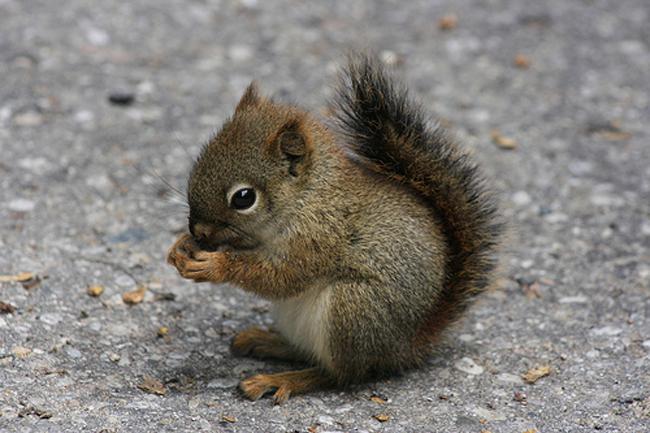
column 101, row 101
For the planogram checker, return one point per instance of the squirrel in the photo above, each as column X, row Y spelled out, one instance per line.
column 369, row 238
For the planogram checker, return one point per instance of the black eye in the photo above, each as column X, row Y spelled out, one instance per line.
column 243, row 199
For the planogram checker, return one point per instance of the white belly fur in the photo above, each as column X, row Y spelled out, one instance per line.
column 303, row 321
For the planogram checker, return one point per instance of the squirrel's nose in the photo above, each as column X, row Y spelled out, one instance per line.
column 202, row 231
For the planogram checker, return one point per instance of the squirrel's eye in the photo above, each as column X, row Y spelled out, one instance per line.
column 243, row 199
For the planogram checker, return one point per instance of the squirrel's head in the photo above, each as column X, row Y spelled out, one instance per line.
column 250, row 173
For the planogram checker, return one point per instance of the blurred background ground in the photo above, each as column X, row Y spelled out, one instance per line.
column 563, row 84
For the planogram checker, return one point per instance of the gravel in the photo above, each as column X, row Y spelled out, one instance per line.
column 84, row 201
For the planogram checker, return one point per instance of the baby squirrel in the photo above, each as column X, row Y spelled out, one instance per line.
column 369, row 241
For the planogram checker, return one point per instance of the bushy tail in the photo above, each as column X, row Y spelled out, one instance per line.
column 388, row 133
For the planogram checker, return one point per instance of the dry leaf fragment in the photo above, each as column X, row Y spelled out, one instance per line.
column 31, row 283
column 502, row 141
column 228, row 418
column 382, row 417
column 522, row 62
column 378, row 399
column 95, row 291
column 531, row 430
column 448, row 22
column 32, row 410
column 534, row 374
column 312, row 429
column 6, row 308
column 134, row 297
column 21, row 352
column 18, row 278
column 615, row 135
column 152, row 385
column 610, row 131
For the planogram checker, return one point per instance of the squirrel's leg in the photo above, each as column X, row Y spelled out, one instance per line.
column 285, row 384
column 260, row 343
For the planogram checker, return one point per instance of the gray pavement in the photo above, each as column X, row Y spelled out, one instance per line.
column 82, row 203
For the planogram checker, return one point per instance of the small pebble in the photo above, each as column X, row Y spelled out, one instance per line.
column 51, row 318
column 145, row 88
column 72, row 352
column 509, row 378
column 489, row 414
column 28, row 118
column 467, row 365
column 325, row 420
column 21, row 205
column 124, row 281
column 390, row 58
column 84, row 116
column 97, row 37
column 35, row 165
column 579, row 299
column 520, row 397
column 521, row 198
column 608, row 331
column 240, row 53
column 645, row 228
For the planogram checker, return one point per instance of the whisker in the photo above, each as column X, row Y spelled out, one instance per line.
column 179, row 141
column 153, row 173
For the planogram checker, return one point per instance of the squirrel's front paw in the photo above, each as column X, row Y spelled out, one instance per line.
column 195, row 264
column 204, row 266
column 181, row 249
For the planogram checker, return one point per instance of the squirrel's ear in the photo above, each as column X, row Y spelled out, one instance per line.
column 251, row 97
column 294, row 145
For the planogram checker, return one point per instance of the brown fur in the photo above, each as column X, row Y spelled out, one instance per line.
column 394, row 227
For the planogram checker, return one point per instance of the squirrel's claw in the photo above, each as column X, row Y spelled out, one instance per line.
column 256, row 386
column 261, row 384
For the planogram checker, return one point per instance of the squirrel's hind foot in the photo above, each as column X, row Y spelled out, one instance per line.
column 260, row 343
column 284, row 384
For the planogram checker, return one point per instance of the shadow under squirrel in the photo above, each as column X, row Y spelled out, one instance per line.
column 369, row 240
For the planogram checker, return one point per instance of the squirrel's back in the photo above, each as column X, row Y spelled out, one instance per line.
column 387, row 133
